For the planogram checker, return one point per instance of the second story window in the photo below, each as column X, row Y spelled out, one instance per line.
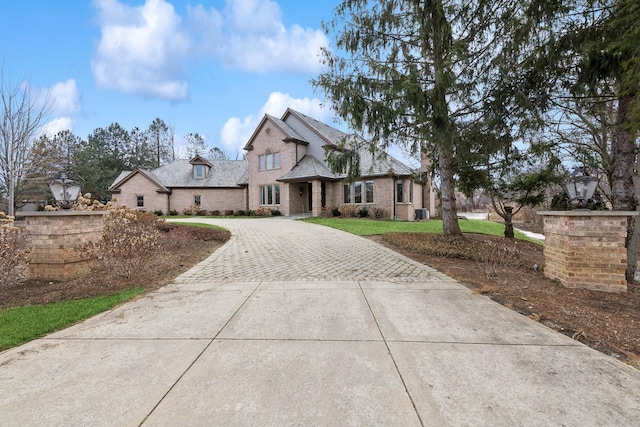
column 269, row 161
column 199, row 171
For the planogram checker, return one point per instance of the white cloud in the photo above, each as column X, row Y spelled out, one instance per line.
column 259, row 42
column 65, row 97
column 236, row 131
column 141, row 49
column 57, row 125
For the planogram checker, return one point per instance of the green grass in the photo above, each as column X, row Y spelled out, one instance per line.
column 198, row 224
column 369, row 227
column 21, row 324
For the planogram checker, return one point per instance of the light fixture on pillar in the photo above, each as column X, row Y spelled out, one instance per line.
column 65, row 191
column 580, row 188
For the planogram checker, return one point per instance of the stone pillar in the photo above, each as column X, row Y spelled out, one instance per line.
column 55, row 238
column 585, row 249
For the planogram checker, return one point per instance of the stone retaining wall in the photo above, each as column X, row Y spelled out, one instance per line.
column 55, row 238
column 586, row 249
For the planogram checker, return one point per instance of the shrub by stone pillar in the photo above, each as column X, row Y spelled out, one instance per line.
column 585, row 249
column 55, row 238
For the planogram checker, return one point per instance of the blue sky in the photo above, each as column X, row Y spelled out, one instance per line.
column 212, row 67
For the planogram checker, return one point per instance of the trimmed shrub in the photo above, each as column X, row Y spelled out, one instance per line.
column 228, row 212
column 158, row 212
column 173, row 212
column 239, row 213
column 363, row 212
column 215, row 212
column 335, row 211
column 276, row 212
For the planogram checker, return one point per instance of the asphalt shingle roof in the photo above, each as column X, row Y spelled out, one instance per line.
column 308, row 167
column 223, row 173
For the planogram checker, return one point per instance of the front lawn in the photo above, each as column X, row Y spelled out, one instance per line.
column 369, row 227
column 21, row 324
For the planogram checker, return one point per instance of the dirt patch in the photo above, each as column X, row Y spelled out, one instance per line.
column 511, row 273
column 182, row 248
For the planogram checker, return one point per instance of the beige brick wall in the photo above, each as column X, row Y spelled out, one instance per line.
column 270, row 139
column 138, row 185
column 585, row 249
column 55, row 239
column 220, row 199
column 383, row 197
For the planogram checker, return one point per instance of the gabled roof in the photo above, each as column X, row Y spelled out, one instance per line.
column 330, row 135
column 199, row 160
column 291, row 135
column 307, row 168
column 127, row 175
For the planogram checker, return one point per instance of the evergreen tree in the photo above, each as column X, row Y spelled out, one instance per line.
column 416, row 72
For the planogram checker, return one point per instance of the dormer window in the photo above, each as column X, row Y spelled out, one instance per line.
column 199, row 172
column 200, row 167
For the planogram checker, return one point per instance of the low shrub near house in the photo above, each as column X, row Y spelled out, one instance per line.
column 363, row 212
column 262, row 211
column 215, row 212
column 158, row 212
column 129, row 243
column 379, row 213
column 173, row 212
column 276, row 212
column 192, row 210
column 228, row 212
column 240, row 213
column 348, row 211
column 335, row 211
column 14, row 250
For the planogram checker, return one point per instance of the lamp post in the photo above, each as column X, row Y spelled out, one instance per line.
column 65, row 191
column 580, row 188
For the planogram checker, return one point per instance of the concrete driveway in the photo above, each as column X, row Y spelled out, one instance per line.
column 296, row 324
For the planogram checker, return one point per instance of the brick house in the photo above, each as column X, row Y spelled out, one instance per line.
column 210, row 184
column 285, row 169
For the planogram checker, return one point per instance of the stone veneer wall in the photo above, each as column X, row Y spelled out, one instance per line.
column 585, row 249
column 55, row 238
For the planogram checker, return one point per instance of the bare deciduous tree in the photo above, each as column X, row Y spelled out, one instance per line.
column 22, row 116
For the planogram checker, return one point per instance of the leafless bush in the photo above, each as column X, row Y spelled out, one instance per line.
column 14, row 250
column 379, row 213
column 263, row 211
column 348, row 210
column 495, row 258
column 129, row 244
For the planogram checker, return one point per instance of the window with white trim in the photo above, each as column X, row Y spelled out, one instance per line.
column 357, row 190
column 347, row 193
column 269, row 161
column 399, row 192
column 199, row 172
column 270, row 194
column 140, row 201
column 368, row 190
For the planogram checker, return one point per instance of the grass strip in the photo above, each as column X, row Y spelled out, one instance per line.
column 21, row 324
column 369, row 227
